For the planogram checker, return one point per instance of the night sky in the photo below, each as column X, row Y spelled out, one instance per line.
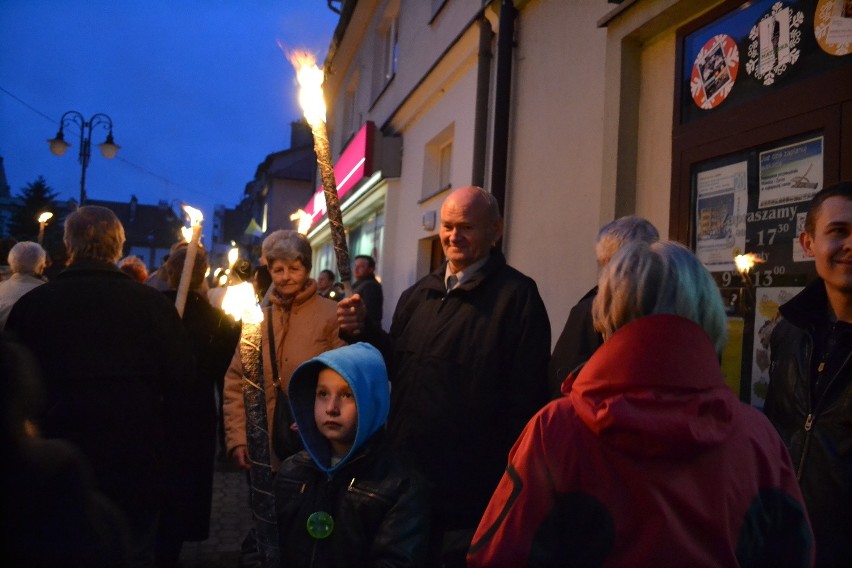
column 199, row 92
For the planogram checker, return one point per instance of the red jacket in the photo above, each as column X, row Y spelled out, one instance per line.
column 648, row 460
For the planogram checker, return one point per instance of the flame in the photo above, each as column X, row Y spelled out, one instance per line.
column 310, row 79
column 240, row 303
column 745, row 262
column 186, row 233
column 304, row 221
column 233, row 255
column 195, row 216
column 45, row 217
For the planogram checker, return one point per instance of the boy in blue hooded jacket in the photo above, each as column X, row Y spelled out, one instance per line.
column 346, row 500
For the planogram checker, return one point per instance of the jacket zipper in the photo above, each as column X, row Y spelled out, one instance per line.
column 373, row 494
column 813, row 408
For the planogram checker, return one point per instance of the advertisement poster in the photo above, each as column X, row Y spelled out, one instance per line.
column 798, row 253
column 722, row 203
column 732, row 356
column 833, row 26
column 765, row 318
column 790, row 174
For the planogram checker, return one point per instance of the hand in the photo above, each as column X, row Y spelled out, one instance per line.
column 351, row 314
column 240, row 457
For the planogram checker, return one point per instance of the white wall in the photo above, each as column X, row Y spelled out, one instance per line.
column 553, row 195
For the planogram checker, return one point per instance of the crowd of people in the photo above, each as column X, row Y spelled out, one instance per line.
column 454, row 436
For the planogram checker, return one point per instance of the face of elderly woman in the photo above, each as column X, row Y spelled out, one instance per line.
column 288, row 277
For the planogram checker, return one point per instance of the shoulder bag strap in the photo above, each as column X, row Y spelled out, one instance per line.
column 275, row 380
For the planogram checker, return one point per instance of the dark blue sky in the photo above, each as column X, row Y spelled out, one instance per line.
column 198, row 90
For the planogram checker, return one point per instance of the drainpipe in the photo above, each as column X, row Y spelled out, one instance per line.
column 483, row 80
column 502, row 99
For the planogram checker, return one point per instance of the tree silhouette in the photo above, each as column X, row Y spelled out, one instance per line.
column 36, row 198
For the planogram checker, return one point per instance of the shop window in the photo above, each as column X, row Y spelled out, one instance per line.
column 762, row 110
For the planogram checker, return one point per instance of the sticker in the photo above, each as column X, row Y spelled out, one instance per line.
column 833, row 26
column 773, row 50
column 714, row 71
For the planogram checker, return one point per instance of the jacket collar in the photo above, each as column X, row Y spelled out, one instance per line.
column 495, row 262
column 808, row 308
column 89, row 267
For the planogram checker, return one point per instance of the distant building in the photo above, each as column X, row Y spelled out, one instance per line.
column 282, row 184
column 150, row 230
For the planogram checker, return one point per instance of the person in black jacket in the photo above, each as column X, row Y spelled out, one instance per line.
column 111, row 351
column 579, row 339
column 346, row 499
column 191, row 442
column 810, row 390
column 368, row 287
column 467, row 350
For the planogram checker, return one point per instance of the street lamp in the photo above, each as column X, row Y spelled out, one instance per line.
column 108, row 148
column 42, row 221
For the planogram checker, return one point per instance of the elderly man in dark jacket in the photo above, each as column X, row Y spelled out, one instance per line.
column 468, row 350
column 111, row 350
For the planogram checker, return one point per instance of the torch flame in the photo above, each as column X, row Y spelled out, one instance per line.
column 745, row 262
column 195, row 216
column 310, row 79
column 233, row 255
column 240, row 303
column 304, row 221
column 186, row 233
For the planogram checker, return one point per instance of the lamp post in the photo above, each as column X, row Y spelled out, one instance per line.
column 108, row 148
column 43, row 218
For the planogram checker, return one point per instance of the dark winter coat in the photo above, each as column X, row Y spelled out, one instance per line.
column 379, row 506
column 468, row 369
column 191, row 440
column 111, row 350
column 815, row 425
column 576, row 343
column 648, row 460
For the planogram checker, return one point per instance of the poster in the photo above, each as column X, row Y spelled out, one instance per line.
column 833, row 26
column 732, row 356
column 722, row 203
column 768, row 300
column 714, row 71
column 789, row 174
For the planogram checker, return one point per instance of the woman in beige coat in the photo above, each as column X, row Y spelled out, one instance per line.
column 304, row 325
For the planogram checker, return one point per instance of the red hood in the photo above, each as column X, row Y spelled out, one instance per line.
column 655, row 389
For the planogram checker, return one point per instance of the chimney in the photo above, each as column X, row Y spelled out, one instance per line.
column 300, row 134
column 133, row 203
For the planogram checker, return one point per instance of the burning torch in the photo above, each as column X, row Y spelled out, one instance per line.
column 311, row 99
column 192, row 234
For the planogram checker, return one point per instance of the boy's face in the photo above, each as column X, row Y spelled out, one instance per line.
column 335, row 412
column 831, row 245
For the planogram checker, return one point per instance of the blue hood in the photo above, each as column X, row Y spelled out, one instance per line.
column 363, row 367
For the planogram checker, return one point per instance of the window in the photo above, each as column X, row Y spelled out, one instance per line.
column 351, row 118
column 438, row 163
column 387, row 49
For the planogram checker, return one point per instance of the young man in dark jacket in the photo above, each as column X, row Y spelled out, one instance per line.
column 346, row 500
column 810, row 390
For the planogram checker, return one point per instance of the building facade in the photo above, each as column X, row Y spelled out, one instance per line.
column 714, row 119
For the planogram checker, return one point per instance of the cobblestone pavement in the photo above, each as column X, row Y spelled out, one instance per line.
column 230, row 520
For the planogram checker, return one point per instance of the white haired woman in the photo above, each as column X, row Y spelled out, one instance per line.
column 27, row 261
column 649, row 459
column 304, row 325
